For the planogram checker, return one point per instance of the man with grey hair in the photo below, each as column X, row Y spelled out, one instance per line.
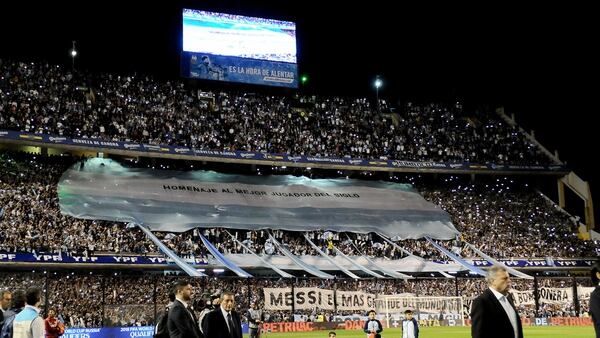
column 493, row 314
column 223, row 322
column 5, row 300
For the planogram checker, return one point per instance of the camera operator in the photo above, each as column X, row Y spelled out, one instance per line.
column 207, row 306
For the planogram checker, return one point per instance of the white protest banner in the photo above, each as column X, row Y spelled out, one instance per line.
column 556, row 295
column 302, row 298
column 523, row 297
column 583, row 292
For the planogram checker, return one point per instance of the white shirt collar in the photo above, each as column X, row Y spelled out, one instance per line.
column 225, row 312
column 512, row 314
column 182, row 302
column 497, row 294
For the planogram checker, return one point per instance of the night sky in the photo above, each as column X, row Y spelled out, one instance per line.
column 541, row 63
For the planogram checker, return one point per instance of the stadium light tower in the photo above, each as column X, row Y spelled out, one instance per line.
column 73, row 55
column 378, row 83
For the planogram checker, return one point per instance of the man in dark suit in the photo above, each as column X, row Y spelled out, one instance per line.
column 223, row 322
column 182, row 321
column 595, row 298
column 493, row 314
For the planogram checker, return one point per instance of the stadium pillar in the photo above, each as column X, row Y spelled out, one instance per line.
column 334, row 295
column 561, row 193
column 536, row 296
column 582, row 189
column 576, row 297
column 154, row 298
column 103, row 288
column 417, row 295
column 589, row 212
column 248, row 284
column 293, row 296
column 456, row 286
column 46, row 302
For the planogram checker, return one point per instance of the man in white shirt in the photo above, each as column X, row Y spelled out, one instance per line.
column 493, row 314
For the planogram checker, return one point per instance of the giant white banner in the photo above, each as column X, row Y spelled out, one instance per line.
column 317, row 298
column 178, row 201
column 311, row 298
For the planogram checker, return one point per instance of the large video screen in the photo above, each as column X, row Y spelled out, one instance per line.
column 235, row 48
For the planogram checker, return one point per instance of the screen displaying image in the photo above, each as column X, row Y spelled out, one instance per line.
column 241, row 36
column 235, row 48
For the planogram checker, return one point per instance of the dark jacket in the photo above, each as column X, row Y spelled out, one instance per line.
column 214, row 325
column 9, row 317
column 489, row 320
column 182, row 323
column 366, row 328
column 595, row 309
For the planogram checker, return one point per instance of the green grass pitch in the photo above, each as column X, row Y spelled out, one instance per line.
column 448, row 332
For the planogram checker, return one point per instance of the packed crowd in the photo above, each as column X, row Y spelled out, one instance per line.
column 94, row 300
column 502, row 218
column 506, row 218
column 44, row 98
